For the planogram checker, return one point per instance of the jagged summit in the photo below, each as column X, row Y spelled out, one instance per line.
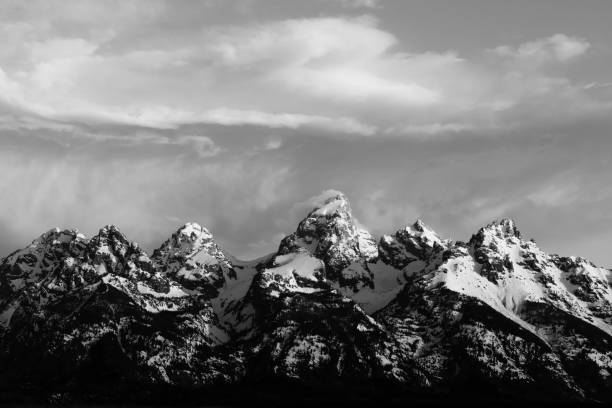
column 411, row 243
column 192, row 257
column 496, row 231
column 111, row 242
column 111, row 235
column 330, row 233
column 194, row 231
column 422, row 231
column 187, row 240
column 332, row 306
column 419, row 225
column 331, row 215
column 57, row 235
column 505, row 227
column 109, row 229
column 334, row 203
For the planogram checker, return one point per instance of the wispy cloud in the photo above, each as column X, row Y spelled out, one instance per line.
column 556, row 48
column 359, row 3
column 337, row 74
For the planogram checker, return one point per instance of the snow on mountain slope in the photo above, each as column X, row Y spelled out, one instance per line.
column 387, row 283
column 330, row 234
column 521, row 272
column 333, row 305
column 299, row 316
column 399, row 255
column 192, row 257
column 500, row 269
column 31, row 264
column 590, row 284
column 500, row 286
column 195, row 260
column 231, row 306
column 330, row 248
column 412, row 243
column 459, row 273
column 287, row 270
column 300, row 327
column 77, row 294
column 63, row 262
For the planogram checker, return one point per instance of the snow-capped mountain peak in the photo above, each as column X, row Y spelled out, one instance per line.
column 330, row 233
column 194, row 231
column 110, row 232
column 410, row 309
column 57, row 235
column 187, row 240
column 503, row 228
column 45, row 254
column 419, row 230
column 112, row 249
column 411, row 243
column 192, row 257
column 335, row 205
column 332, row 216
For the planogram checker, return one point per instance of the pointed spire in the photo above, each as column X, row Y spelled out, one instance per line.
column 331, row 215
column 419, row 225
column 416, row 241
column 111, row 232
column 506, row 227
column 194, row 231
column 421, row 231
column 57, row 235
column 188, row 240
column 330, row 203
column 329, row 232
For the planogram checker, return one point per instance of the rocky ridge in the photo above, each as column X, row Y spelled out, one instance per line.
column 333, row 307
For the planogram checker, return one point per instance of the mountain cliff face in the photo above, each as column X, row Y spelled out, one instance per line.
column 407, row 316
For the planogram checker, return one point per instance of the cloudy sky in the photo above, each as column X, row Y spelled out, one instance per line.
column 148, row 114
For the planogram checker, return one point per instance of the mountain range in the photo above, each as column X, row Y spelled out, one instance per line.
column 335, row 314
